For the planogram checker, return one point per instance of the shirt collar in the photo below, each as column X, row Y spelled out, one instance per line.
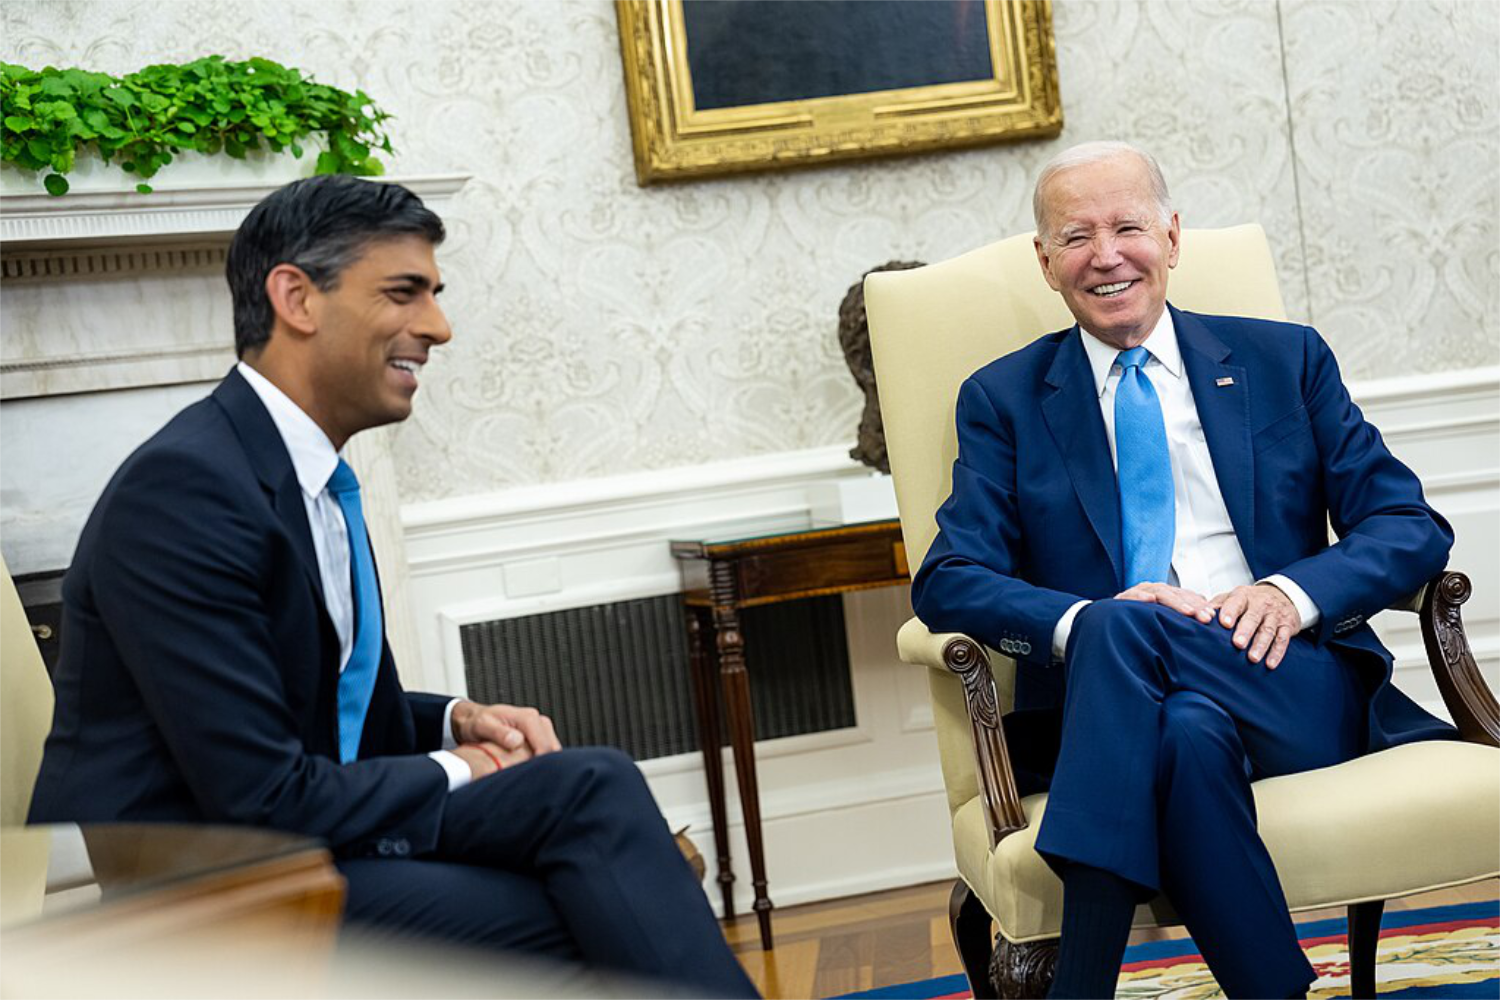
column 1161, row 344
column 313, row 456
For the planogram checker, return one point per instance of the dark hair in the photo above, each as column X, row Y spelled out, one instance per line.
column 321, row 225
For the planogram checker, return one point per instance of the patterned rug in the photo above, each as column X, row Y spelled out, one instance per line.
column 1440, row 951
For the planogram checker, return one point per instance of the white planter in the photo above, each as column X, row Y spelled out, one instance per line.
column 187, row 171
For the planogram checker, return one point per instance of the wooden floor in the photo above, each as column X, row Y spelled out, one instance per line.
column 888, row 938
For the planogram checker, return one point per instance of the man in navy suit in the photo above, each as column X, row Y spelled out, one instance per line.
column 1139, row 517
column 224, row 659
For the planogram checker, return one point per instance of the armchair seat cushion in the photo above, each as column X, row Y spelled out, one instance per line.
column 1358, row 831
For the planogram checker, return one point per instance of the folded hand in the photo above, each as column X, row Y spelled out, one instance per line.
column 511, row 727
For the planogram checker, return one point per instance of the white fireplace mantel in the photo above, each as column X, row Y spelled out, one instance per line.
column 189, row 215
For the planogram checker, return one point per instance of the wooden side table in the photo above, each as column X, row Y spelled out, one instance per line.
column 721, row 577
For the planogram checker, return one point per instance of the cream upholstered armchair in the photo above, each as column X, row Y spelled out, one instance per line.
column 1407, row 820
column 26, row 703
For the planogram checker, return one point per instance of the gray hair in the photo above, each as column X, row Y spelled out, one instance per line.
column 1095, row 152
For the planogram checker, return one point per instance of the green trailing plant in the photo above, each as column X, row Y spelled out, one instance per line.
column 143, row 120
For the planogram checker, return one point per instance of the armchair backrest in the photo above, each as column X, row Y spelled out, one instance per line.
column 25, row 705
column 932, row 327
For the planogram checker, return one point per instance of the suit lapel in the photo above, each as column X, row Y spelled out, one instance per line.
column 1073, row 418
column 273, row 467
column 1221, row 392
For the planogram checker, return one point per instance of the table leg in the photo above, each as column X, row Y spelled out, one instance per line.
column 741, row 718
column 705, row 697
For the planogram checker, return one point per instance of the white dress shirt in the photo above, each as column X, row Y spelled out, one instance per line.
column 1206, row 554
column 313, row 459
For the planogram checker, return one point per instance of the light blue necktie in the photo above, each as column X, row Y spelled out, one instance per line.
column 357, row 682
column 1148, row 520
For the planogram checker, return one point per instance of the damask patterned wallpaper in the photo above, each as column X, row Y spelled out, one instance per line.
column 603, row 328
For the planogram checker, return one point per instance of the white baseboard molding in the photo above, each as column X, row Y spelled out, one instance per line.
column 840, row 887
column 824, row 852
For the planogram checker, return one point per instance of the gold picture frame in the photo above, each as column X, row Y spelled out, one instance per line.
column 674, row 139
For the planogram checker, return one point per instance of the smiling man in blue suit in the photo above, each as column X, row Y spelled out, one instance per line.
column 224, row 661
column 1139, row 516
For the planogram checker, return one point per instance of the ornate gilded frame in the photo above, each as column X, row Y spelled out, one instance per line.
column 674, row 140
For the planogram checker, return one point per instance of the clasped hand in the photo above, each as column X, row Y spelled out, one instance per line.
column 1262, row 617
column 493, row 737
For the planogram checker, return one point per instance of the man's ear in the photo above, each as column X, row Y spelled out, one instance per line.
column 290, row 290
column 1045, row 261
column 1174, row 238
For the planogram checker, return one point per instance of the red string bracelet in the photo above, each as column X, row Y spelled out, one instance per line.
column 499, row 764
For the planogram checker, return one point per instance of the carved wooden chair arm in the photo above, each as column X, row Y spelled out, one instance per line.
column 1469, row 699
column 968, row 660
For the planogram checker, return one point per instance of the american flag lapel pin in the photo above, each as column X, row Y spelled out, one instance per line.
column 1222, row 382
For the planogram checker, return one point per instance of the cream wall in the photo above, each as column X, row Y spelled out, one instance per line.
column 604, row 328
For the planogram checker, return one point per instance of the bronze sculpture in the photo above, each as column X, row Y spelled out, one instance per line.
column 854, row 338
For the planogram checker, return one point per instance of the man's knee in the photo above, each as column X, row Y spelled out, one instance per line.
column 1112, row 618
column 595, row 770
column 1114, row 635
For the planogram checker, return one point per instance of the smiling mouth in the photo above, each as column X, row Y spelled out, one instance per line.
column 411, row 368
column 1111, row 290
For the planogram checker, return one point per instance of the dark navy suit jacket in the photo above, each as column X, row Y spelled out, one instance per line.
column 1033, row 523
column 197, row 680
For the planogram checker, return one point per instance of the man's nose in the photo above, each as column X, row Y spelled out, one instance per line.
column 433, row 324
column 1106, row 251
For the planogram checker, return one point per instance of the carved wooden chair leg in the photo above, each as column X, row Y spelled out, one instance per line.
column 1364, row 935
column 1023, row 970
column 972, row 928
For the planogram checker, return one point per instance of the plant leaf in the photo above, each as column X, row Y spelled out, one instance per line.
column 56, row 185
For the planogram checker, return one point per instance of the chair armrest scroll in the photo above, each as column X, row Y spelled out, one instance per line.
column 967, row 659
column 1468, row 698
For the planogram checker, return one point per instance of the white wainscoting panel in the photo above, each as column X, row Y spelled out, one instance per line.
column 1447, row 428
column 550, row 548
column 860, row 809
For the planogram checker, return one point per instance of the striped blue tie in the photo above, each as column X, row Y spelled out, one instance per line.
column 1148, row 519
column 357, row 682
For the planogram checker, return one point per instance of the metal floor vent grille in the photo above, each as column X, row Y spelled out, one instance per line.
column 617, row 674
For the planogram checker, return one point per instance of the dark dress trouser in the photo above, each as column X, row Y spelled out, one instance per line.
column 566, row 856
column 1165, row 724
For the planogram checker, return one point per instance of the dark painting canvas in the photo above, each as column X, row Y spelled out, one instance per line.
column 744, row 52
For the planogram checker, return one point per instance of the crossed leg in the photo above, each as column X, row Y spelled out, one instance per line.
column 1164, row 725
column 567, row 856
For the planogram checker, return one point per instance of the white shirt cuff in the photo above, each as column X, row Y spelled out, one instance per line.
column 448, row 741
column 458, row 772
column 1064, row 628
column 1306, row 609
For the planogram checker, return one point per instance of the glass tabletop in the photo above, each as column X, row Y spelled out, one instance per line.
column 52, row 870
column 789, row 527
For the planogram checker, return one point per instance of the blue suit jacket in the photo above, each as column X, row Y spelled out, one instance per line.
column 198, row 675
column 1033, row 523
